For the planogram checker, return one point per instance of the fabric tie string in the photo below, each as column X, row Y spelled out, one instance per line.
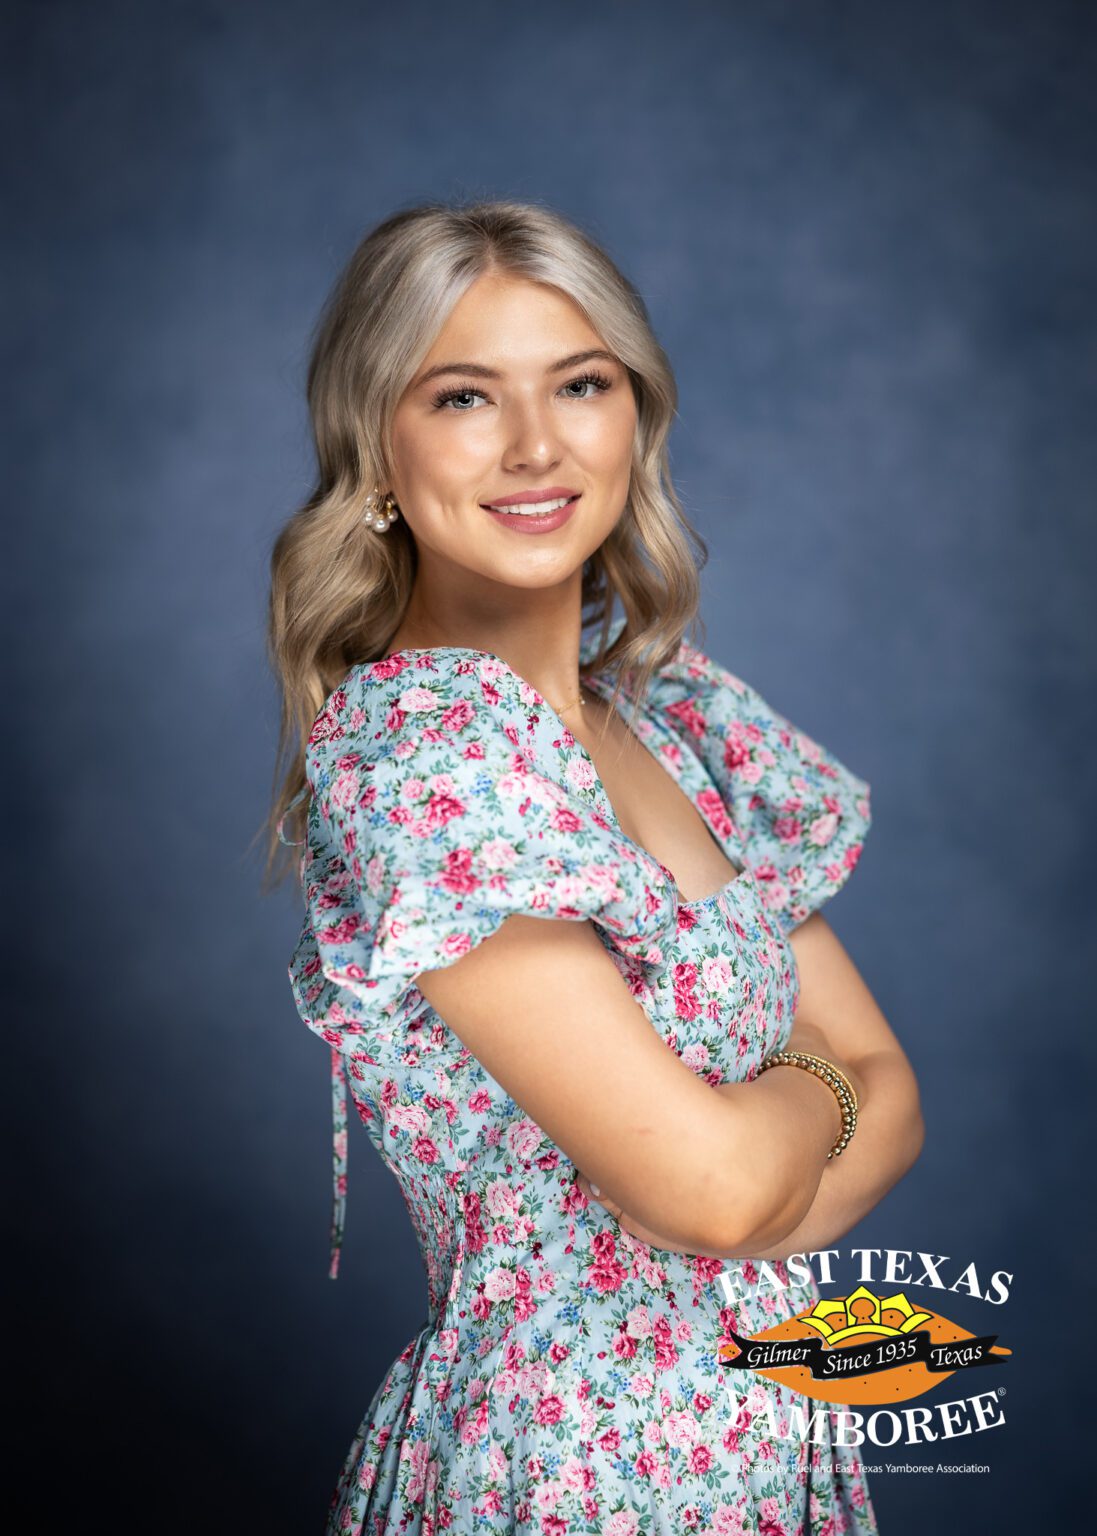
column 338, row 1158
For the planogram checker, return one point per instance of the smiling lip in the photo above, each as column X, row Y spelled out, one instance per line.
column 550, row 493
column 535, row 522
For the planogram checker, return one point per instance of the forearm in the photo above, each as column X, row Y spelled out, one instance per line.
column 811, row 1200
column 887, row 1142
column 783, row 1124
column 774, row 1133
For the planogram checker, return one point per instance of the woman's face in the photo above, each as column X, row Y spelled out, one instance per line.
column 517, row 411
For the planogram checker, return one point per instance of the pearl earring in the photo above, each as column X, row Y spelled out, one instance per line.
column 378, row 517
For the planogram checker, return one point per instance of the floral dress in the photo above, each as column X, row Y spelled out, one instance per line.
column 567, row 1379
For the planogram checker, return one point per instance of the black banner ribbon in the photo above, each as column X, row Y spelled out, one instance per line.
column 838, row 1362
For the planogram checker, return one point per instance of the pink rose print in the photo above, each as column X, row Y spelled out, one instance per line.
column 566, row 1379
column 606, row 1272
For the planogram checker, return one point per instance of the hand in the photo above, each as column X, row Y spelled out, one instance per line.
column 626, row 1223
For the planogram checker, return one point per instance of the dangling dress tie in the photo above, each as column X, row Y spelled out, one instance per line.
column 338, row 1157
column 338, row 1102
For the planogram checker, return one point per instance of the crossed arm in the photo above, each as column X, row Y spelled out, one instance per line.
column 837, row 1017
column 735, row 1170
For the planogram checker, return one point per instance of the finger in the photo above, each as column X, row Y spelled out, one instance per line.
column 596, row 1197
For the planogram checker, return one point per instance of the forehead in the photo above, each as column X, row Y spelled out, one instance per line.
column 504, row 319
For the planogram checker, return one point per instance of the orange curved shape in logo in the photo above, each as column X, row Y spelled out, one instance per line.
column 850, row 1323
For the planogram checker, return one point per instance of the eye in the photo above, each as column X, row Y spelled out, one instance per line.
column 599, row 380
column 444, row 396
column 467, row 392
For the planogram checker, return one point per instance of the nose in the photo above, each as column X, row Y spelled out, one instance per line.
column 532, row 442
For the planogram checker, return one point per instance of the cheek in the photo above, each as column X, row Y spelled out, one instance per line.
column 437, row 459
column 441, row 497
column 606, row 437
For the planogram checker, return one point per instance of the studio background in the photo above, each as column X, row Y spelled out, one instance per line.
column 867, row 241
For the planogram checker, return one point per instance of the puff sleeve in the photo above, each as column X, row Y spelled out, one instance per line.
column 440, row 808
column 800, row 814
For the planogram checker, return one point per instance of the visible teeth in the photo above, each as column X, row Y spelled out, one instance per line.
column 534, row 508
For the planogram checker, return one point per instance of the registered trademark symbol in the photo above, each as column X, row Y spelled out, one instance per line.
column 1001, row 1391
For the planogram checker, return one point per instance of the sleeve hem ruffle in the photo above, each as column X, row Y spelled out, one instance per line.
column 425, row 926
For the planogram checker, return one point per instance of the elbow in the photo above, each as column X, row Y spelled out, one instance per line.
column 756, row 1188
column 745, row 1229
column 751, row 1214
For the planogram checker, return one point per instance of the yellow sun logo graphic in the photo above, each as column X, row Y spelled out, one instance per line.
column 862, row 1313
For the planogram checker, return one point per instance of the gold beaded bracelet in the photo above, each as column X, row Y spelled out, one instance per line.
column 837, row 1081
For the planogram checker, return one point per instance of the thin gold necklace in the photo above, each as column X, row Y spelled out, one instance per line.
column 579, row 700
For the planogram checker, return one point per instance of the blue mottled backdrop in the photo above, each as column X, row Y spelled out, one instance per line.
column 866, row 236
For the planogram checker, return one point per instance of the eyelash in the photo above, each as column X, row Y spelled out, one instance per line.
column 592, row 376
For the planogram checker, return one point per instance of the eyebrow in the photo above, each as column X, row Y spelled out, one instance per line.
column 480, row 372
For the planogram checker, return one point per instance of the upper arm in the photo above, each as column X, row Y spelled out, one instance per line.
column 834, row 996
column 543, row 1007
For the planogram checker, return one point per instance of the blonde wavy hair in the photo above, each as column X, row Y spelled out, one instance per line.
column 338, row 591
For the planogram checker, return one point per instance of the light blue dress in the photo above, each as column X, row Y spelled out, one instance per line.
column 566, row 1379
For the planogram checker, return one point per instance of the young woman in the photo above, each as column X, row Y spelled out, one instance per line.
column 562, row 875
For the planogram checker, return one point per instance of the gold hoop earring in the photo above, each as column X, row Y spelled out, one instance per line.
column 378, row 517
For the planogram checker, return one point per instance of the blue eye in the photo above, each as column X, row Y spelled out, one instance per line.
column 446, row 395
column 599, row 380
column 456, row 392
